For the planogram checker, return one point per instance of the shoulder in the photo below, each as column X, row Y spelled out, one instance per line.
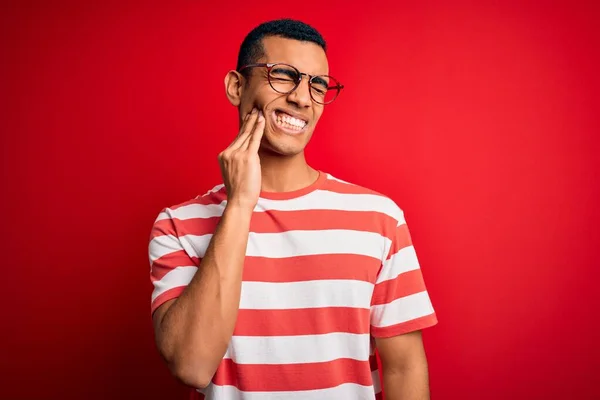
column 363, row 198
column 210, row 204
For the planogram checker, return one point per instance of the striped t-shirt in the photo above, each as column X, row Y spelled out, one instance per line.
column 328, row 268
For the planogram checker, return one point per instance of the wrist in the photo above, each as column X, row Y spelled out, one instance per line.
column 241, row 212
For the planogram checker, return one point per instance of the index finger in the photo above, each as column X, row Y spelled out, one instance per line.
column 245, row 130
column 257, row 135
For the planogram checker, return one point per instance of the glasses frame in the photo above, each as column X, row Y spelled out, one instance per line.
column 269, row 67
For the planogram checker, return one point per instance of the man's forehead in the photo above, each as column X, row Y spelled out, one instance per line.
column 308, row 57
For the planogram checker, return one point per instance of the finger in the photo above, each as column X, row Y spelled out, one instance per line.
column 245, row 130
column 256, row 137
column 244, row 145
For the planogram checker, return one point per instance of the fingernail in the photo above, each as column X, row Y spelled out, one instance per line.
column 260, row 113
column 254, row 111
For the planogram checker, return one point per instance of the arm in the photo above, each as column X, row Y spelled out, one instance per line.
column 400, row 309
column 192, row 332
column 404, row 364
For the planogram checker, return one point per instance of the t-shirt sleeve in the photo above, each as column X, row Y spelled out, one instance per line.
column 400, row 302
column 171, row 267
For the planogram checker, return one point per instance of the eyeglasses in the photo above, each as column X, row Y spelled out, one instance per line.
column 284, row 79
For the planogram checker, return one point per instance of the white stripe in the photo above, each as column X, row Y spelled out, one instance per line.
column 161, row 216
column 403, row 261
column 317, row 200
column 199, row 211
column 162, row 245
column 301, row 243
column 327, row 200
column 180, row 276
column 306, row 294
column 298, row 349
column 213, row 190
column 169, row 213
column 343, row 391
column 401, row 310
column 195, row 245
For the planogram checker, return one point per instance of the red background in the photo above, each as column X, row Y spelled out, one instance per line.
column 479, row 120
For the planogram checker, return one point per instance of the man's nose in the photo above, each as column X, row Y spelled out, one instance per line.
column 301, row 95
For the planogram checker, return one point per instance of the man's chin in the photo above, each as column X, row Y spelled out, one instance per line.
column 281, row 148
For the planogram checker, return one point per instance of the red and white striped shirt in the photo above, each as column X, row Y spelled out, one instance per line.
column 328, row 268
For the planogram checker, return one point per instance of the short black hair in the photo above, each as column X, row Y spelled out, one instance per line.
column 252, row 48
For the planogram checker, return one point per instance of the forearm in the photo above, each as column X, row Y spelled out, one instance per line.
column 196, row 329
column 411, row 383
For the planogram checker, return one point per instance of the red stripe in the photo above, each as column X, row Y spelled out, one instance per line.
column 181, row 227
column 405, row 327
column 161, row 266
column 311, row 267
column 166, row 296
column 347, row 188
column 210, row 198
column 328, row 184
column 331, row 185
column 401, row 240
column 275, row 221
column 405, row 284
column 304, row 321
column 290, row 269
column 163, row 227
column 379, row 396
column 292, row 377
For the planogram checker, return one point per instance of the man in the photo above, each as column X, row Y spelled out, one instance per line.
column 280, row 283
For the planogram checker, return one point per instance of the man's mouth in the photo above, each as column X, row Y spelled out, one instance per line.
column 288, row 122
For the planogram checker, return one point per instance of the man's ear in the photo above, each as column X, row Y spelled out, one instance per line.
column 234, row 82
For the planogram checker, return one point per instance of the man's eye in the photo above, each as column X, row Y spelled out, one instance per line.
column 319, row 85
column 320, row 82
column 284, row 74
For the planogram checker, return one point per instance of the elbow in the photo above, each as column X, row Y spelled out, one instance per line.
column 190, row 365
column 190, row 375
column 190, row 369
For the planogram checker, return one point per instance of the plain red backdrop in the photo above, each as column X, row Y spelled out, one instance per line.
column 481, row 121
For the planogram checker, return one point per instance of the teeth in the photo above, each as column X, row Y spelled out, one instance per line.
column 290, row 122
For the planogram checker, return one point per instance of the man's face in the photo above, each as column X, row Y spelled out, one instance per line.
column 280, row 137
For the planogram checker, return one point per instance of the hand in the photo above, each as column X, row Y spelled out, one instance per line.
column 240, row 163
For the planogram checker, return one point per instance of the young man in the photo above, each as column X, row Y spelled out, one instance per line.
column 281, row 283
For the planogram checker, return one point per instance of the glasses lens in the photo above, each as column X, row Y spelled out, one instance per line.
column 283, row 78
column 324, row 89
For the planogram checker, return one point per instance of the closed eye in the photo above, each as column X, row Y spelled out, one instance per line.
column 284, row 73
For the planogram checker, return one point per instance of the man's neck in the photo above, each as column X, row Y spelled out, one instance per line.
column 286, row 174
